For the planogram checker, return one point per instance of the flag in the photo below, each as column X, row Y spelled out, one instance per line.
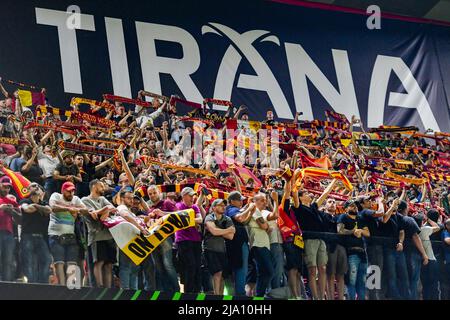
column 320, row 173
column 288, row 228
column 19, row 182
column 346, row 142
column 244, row 173
column 323, row 162
column 28, row 98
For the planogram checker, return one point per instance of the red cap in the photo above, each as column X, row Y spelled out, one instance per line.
column 6, row 180
column 69, row 186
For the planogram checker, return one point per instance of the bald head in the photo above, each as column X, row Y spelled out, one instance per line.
column 154, row 194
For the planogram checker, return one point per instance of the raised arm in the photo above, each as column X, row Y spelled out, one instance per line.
column 246, row 214
column 126, row 168
column 326, row 192
column 275, row 213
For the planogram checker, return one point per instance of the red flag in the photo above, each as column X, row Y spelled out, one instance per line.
column 244, row 173
column 287, row 227
column 323, row 162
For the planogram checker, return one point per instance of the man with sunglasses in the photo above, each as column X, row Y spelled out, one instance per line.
column 66, row 207
column 238, row 249
column 218, row 227
column 36, row 257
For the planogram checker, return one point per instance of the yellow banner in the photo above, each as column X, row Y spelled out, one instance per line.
column 139, row 248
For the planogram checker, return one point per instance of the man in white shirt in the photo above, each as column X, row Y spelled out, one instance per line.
column 276, row 242
column 128, row 271
column 258, row 233
column 48, row 163
column 430, row 272
column 66, row 207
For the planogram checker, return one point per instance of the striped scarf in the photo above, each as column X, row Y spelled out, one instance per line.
column 137, row 102
column 151, row 160
column 416, row 181
column 93, row 103
column 41, row 110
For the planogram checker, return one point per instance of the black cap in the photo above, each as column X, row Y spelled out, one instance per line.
column 348, row 203
column 235, row 195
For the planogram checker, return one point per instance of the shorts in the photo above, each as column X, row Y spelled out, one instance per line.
column 294, row 256
column 337, row 261
column 215, row 261
column 105, row 251
column 63, row 253
column 315, row 253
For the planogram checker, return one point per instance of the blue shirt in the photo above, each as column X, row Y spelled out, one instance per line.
column 446, row 234
column 17, row 164
column 241, row 235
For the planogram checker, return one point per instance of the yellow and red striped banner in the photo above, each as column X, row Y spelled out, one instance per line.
column 19, row 182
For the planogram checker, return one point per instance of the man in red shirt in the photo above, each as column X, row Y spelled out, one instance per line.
column 9, row 209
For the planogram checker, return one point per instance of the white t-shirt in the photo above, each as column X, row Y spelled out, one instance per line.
column 257, row 237
column 424, row 235
column 47, row 163
column 275, row 235
column 62, row 222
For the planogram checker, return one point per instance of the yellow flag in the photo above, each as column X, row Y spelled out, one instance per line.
column 346, row 142
column 26, row 98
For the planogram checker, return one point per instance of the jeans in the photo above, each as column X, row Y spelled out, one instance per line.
column 357, row 267
column 276, row 249
column 49, row 186
column 446, row 282
column 189, row 256
column 149, row 272
column 7, row 246
column 414, row 261
column 36, row 258
column 375, row 256
column 128, row 272
column 166, row 275
column 397, row 273
column 240, row 274
column 430, row 280
column 264, row 269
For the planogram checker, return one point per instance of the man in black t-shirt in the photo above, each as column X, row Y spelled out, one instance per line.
column 355, row 230
column 36, row 256
column 414, row 251
column 374, row 249
column 393, row 229
column 87, row 172
column 66, row 171
column 337, row 265
column 313, row 221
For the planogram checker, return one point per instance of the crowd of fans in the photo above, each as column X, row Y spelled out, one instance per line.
column 400, row 226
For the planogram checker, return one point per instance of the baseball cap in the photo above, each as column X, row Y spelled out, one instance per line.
column 349, row 202
column 6, row 180
column 69, row 154
column 218, row 202
column 69, row 186
column 188, row 190
column 235, row 195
